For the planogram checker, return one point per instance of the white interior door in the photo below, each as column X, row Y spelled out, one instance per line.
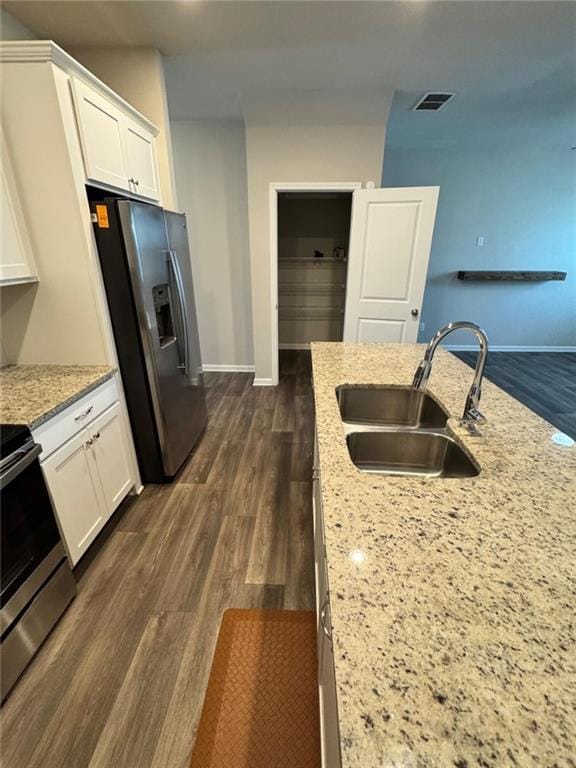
column 390, row 239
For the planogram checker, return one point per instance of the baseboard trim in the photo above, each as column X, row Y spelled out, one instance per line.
column 227, row 368
column 306, row 345
column 263, row 383
column 494, row 348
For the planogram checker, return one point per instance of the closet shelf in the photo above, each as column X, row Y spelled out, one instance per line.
column 310, row 260
column 311, row 289
column 310, row 313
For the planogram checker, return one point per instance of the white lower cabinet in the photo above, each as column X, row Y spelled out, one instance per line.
column 90, row 473
column 329, row 731
column 110, row 457
column 71, row 476
column 330, row 734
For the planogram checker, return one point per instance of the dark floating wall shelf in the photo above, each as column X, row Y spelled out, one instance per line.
column 517, row 275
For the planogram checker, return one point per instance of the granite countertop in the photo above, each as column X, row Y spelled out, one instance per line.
column 455, row 637
column 31, row 394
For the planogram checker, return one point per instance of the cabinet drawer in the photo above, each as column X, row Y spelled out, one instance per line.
column 64, row 425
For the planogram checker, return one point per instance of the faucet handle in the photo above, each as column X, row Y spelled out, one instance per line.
column 476, row 415
column 422, row 375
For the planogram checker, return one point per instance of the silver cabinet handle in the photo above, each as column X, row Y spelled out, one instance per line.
column 415, row 312
column 84, row 414
column 323, row 612
column 89, row 441
column 96, row 436
column 136, row 182
column 173, row 261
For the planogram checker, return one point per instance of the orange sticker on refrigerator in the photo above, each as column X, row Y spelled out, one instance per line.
column 102, row 217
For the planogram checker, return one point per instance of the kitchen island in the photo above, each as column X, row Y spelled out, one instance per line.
column 452, row 600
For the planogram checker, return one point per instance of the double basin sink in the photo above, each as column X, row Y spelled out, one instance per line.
column 401, row 431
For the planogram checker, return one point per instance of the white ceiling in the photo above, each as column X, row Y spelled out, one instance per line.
column 512, row 64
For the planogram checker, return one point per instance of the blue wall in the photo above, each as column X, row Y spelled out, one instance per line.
column 523, row 202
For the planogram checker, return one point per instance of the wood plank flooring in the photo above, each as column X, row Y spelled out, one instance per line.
column 120, row 682
column 545, row 382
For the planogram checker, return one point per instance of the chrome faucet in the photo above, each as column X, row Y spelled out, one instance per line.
column 471, row 415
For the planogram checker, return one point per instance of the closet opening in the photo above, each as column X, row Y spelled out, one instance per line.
column 313, row 239
column 309, row 248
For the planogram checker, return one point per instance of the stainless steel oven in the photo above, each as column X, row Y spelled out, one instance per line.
column 36, row 582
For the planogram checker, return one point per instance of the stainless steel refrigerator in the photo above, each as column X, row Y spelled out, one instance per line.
column 147, row 275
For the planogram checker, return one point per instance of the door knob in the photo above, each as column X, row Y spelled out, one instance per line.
column 415, row 313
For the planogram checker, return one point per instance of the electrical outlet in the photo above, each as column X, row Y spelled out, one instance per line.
column 422, row 326
column 480, row 241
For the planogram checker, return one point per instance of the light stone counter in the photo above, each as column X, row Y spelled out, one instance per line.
column 455, row 638
column 31, row 394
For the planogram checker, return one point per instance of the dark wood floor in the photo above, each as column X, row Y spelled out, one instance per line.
column 544, row 381
column 120, row 682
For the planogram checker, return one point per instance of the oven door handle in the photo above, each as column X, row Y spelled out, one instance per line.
column 29, row 455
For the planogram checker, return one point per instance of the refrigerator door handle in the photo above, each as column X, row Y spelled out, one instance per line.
column 173, row 261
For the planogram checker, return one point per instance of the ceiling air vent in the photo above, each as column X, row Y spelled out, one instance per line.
column 432, row 102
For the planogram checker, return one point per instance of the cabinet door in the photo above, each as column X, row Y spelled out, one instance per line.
column 75, row 494
column 319, row 556
column 141, row 159
column 329, row 731
column 101, row 126
column 109, row 453
column 16, row 260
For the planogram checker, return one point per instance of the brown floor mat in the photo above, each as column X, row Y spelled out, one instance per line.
column 261, row 705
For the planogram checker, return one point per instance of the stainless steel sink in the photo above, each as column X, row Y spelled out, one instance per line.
column 409, row 452
column 388, row 406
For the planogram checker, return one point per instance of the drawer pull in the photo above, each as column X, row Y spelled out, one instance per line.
column 89, row 441
column 323, row 612
column 84, row 414
column 96, row 436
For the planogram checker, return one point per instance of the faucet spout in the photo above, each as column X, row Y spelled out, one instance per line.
column 471, row 411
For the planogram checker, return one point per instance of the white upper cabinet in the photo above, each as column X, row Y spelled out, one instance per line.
column 141, row 157
column 16, row 258
column 101, row 127
column 118, row 151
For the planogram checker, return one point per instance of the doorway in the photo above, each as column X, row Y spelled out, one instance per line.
column 310, row 234
column 313, row 240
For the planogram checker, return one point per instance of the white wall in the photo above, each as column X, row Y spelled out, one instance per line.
column 137, row 74
column 306, row 136
column 210, row 165
column 523, row 201
column 12, row 29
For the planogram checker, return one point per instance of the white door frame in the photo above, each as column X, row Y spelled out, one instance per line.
column 290, row 186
